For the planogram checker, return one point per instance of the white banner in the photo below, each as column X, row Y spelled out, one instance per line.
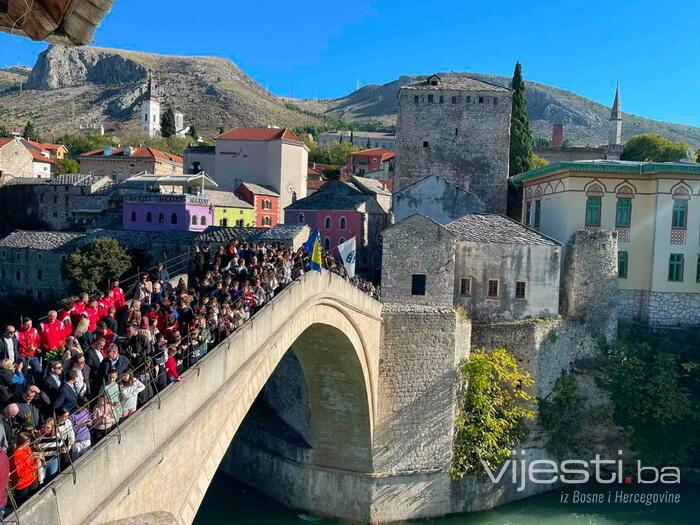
column 348, row 253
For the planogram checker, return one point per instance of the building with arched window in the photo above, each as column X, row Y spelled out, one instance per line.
column 654, row 207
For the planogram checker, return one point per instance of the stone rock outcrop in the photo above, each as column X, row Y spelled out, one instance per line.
column 61, row 67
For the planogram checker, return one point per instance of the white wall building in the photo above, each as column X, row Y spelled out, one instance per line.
column 361, row 139
column 265, row 156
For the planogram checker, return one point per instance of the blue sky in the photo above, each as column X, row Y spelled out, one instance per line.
column 320, row 48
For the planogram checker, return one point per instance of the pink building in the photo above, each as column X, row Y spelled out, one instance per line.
column 167, row 212
column 342, row 210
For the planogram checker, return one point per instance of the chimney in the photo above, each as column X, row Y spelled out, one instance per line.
column 557, row 135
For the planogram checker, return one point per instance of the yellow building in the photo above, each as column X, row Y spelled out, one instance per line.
column 655, row 210
column 229, row 210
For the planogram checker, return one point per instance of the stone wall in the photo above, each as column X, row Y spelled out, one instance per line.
column 468, row 142
column 287, row 394
column 402, row 258
column 543, row 347
column 420, row 350
column 674, row 309
column 589, row 281
column 633, row 305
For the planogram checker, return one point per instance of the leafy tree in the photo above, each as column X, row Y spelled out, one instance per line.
column 78, row 143
column 335, row 153
column 562, row 416
column 520, row 137
column 540, row 142
column 30, row 132
column 493, row 409
column 94, row 264
column 193, row 132
column 3, row 132
column 537, row 162
column 68, row 165
column 167, row 123
column 653, row 380
column 653, row 147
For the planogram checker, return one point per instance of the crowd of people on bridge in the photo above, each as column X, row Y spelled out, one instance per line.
column 74, row 376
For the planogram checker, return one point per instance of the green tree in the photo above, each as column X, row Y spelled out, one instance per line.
column 493, row 409
column 562, row 416
column 30, row 132
column 193, row 132
column 3, row 132
column 653, row 379
column 520, row 137
column 89, row 268
column 654, row 148
column 68, row 165
column 79, row 143
column 167, row 123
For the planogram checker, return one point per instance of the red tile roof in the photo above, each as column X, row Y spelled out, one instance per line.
column 386, row 154
column 150, row 153
column 49, row 147
column 259, row 134
column 4, row 141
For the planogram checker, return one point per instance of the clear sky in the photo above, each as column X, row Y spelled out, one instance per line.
column 321, row 48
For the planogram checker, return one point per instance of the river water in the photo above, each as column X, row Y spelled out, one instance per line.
column 230, row 503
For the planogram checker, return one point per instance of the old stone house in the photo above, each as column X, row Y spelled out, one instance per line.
column 15, row 160
column 456, row 127
column 491, row 266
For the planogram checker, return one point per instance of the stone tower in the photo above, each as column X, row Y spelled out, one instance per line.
column 589, row 281
column 458, row 128
column 615, row 134
column 150, row 110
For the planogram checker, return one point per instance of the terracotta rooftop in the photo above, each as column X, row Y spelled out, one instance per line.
column 259, row 134
column 136, row 153
column 385, row 154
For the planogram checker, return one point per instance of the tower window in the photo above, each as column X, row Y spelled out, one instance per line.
column 454, row 100
column 173, row 218
column 418, row 284
column 456, row 132
column 465, row 287
column 481, row 100
column 426, row 144
column 430, row 99
column 441, row 99
column 495, row 101
column 469, row 100
column 415, row 99
column 493, row 288
column 520, row 289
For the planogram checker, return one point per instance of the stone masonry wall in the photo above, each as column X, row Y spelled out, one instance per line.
column 589, row 281
column 633, row 305
column 674, row 309
column 468, row 142
column 543, row 347
column 421, row 347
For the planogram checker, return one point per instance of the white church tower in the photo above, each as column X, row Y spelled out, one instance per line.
column 615, row 133
column 150, row 111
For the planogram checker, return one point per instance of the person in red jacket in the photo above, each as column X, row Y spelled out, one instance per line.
column 79, row 308
column 24, row 468
column 52, row 332
column 92, row 312
column 118, row 296
column 171, row 366
column 29, row 346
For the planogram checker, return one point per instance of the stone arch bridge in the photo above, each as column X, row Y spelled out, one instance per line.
column 381, row 420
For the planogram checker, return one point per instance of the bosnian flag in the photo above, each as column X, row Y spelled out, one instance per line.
column 348, row 252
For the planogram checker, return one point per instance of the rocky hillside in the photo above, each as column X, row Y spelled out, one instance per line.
column 72, row 86
column 585, row 121
column 12, row 78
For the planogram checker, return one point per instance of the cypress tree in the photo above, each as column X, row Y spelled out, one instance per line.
column 520, row 137
column 167, row 123
column 30, row 132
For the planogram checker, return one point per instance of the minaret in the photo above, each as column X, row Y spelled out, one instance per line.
column 615, row 136
column 150, row 110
